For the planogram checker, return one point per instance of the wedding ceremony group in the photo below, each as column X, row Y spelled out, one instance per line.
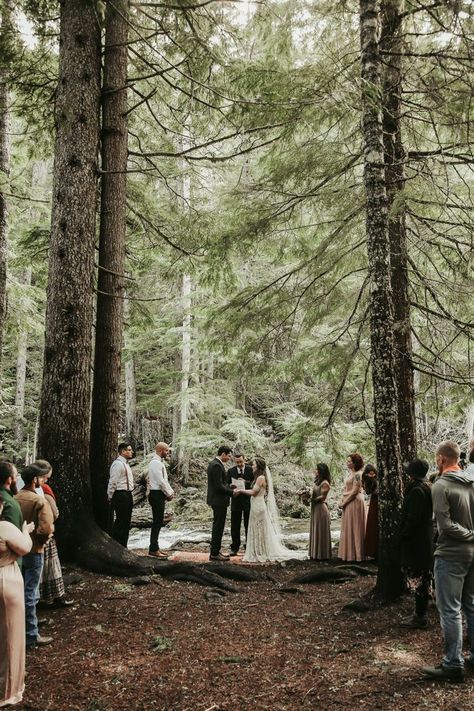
column 436, row 538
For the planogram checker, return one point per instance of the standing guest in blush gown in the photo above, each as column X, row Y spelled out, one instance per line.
column 13, row 543
column 370, row 486
column 351, row 544
column 320, row 526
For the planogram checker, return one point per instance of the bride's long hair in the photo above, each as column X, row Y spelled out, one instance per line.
column 261, row 467
column 272, row 508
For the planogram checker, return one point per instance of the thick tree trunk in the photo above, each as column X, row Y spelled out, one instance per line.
column 389, row 583
column 391, row 43
column 65, row 396
column 6, row 36
column 105, row 421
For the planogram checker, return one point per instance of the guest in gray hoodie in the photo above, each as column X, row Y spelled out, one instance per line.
column 453, row 506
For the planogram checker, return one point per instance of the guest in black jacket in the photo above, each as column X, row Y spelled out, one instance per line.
column 239, row 505
column 218, row 497
column 416, row 541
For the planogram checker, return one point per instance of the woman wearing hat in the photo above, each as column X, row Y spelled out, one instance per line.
column 416, row 541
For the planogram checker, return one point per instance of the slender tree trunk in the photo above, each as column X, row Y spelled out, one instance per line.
column 391, row 43
column 130, row 385
column 22, row 346
column 176, row 416
column 105, row 421
column 389, row 583
column 186, row 291
column 65, row 396
column 38, row 179
column 185, row 372
column 6, row 36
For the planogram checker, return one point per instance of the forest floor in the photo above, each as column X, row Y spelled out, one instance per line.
column 176, row 646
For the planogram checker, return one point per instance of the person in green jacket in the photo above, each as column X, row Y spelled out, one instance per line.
column 8, row 489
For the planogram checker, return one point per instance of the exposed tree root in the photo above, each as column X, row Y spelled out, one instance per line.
column 359, row 569
column 98, row 552
column 324, row 575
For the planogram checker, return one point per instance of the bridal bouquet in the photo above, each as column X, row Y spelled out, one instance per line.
column 305, row 495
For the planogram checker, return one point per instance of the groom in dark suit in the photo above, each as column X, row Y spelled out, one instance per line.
column 218, row 497
column 240, row 505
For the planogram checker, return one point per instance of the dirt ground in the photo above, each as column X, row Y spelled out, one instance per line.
column 176, row 646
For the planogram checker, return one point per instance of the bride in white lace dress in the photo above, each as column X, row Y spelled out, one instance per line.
column 263, row 536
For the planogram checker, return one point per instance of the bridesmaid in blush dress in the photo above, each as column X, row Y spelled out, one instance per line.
column 320, row 526
column 13, row 543
column 351, row 544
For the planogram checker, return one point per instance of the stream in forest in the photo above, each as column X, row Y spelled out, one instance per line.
column 295, row 531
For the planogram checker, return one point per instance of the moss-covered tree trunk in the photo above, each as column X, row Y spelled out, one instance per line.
column 105, row 421
column 381, row 310
column 392, row 47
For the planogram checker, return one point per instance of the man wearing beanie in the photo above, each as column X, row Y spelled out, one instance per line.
column 416, row 541
column 453, row 505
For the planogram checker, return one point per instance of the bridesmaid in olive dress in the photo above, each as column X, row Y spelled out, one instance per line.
column 320, row 528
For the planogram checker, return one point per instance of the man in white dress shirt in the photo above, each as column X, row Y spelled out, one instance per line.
column 160, row 492
column 119, row 493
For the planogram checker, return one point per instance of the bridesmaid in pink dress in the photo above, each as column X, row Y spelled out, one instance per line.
column 351, row 544
column 13, row 543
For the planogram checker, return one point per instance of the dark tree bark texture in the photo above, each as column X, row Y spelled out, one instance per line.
column 392, row 45
column 105, row 421
column 389, row 583
column 65, row 397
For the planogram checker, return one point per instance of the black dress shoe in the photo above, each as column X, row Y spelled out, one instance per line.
column 219, row 557
column 232, row 553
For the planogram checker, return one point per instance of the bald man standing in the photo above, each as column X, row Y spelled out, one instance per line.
column 159, row 492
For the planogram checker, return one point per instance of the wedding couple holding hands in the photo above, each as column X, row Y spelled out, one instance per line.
column 253, row 496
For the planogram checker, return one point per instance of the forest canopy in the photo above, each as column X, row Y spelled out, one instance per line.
column 246, row 280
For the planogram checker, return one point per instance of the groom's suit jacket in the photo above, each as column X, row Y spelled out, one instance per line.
column 218, row 491
column 241, row 502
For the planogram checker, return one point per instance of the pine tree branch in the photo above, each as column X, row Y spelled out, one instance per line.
column 206, row 144
column 160, row 233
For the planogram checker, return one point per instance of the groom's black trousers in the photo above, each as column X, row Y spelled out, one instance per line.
column 235, row 523
column 218, row 523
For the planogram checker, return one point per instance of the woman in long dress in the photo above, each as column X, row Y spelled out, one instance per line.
column 263, row 538
column 320, row 525
column 52, row 592
column 351, row 544
column 13, row 544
